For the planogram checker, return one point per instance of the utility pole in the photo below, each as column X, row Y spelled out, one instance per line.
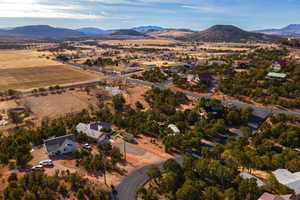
column 124, row 149
column 104, row 166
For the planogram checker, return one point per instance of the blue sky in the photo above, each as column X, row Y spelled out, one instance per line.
column 114, row 14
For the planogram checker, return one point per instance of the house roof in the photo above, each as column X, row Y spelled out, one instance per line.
column 246, row 175
column 289, row 179
column 149, row 66
column 93, row 130
column 111, row 90
column 55, row 143
column 268, row 196
column 174, row 128
column 276, row 75
column 214, row 108
column 98, row 126
column 205, row 76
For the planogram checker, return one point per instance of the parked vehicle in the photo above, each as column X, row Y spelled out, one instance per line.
column 37, row 167
column 46, row 163
column 87, row 146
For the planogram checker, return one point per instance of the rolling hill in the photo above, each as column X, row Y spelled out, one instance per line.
column 227, row 33
column 170, row 33
column 127, row 32
column 42, row 31
column 292, row 30
column 92, row 31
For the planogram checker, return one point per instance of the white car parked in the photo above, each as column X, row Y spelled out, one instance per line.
column 37, row 167
column 87, row 146
column 46, row 163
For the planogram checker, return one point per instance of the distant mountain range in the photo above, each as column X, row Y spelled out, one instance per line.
column 44, row 31
column 218, row 33
column 291, row 30
column 94, row 31
column 41, row 31
column 227, row 33
column 129, row 32
column 148, row 28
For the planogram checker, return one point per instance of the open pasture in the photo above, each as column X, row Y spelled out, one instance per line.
column 22, row 70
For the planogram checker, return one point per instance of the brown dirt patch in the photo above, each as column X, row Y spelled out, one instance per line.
column 134, row 94
column 57, row 104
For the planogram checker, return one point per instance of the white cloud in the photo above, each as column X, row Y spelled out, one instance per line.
column 203, row 8
column 137, row 2
column 40, row 9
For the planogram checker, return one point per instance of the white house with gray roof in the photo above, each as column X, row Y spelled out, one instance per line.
column 100, row 131
column 246, row 175
column 60, row 145
column 289, row 179
column 174, row 129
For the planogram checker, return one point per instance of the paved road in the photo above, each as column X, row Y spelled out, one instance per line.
column 258, row 109
column 130, row 185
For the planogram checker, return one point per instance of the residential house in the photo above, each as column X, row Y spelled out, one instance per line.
column 268, row 196
column 215, row 111
column 60, row 145
column 246, row 175
column 241, row 64
column 188, row 66
column 217, row 62
column 203, row 76
column 149, row 66
column 278, row 65
column 289, row 179
column 113, row 91
column 174, row 129
column 276, row 75
column 100, row 131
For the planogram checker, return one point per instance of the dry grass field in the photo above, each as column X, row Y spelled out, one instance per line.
column 26, row 69
column 59, row 104
column 140, row 42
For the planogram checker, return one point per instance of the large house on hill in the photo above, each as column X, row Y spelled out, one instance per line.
column 60, row 145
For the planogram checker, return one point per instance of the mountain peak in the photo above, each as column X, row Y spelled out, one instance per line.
column 227, row 33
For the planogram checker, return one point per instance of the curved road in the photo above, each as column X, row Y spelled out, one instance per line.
column 130, row 185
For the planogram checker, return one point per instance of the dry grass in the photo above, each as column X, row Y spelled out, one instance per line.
column 35, row 77
column 134, row 94
column 139, row 42
column 58, row 104
column 23, row 59
column 27, row 69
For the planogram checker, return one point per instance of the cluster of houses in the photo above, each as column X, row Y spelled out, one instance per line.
column 276, row 67
column 99, row 131
column 284, row 177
